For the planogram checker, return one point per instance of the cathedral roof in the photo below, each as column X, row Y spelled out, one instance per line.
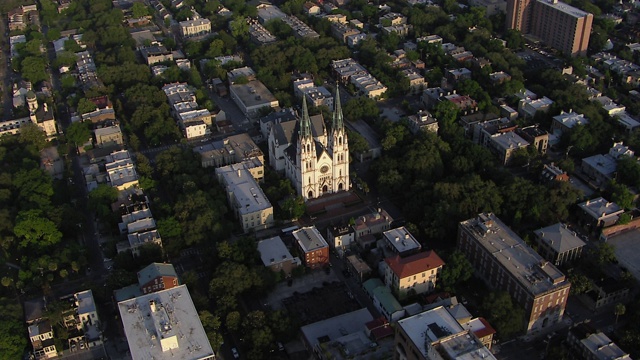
column 286, row 132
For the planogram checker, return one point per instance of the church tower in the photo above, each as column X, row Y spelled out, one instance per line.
column 306, row 155
column 338, row 148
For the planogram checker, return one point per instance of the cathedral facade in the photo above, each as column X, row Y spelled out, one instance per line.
column 314, row 158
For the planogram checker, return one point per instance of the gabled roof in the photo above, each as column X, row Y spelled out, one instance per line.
column 155, row 270
column 414, row 264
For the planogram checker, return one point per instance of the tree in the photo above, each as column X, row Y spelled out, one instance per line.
column 86, row 106
column 78, row 133
column 101, row 198
column 507, row 318
column 233, row 320
column 294, row 207
column 621, row 195
column 604, row 253
column 139, row 10
column 620, row 309
column 457, row 270
column 12, row 342
column 239, row 27
column 33, row 69
column 36, row 230
column 357, row 143
column 32, row 135
column 580, row 283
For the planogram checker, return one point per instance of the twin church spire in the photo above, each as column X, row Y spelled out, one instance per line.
column 337, row 123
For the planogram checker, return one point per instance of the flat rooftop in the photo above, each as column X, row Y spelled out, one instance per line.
column 603, row 348
column 273, row 251
column 85, row 302
column 509, row 140
column 535, row 274
column 336, row 327
column 401, row 239
column 565, row 8
column 463, row 346
column 604, row 164
column 253, row 93
column 559, row 238
column 164, row 325
column 309, row 238
column 246, row 191
column 429, row 326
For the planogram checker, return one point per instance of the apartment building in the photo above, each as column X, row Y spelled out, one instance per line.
column 275, row 255
column 416, row 273
column 505, row 262
column 42, row 341
column 164, row 325
column 156, row 277
column 249, row 203
column 252, row 97
column 558, row 244
column 559, row 25
column 313, row 248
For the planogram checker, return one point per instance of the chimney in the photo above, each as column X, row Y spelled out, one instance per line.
column 239, row 173
column 152, row 305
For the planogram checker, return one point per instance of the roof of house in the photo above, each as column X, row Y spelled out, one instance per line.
column 559, row 238
column 414, row 264
column 156, row 270
column 273, row 251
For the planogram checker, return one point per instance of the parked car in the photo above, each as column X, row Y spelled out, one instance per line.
column 234, row 351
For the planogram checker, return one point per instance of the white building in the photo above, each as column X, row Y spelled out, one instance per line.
column 164, row 325
column 249, row 203
column 252, row 97
column 195, row 27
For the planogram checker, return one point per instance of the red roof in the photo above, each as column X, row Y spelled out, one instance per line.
column 430, row 299
column 382, row 332
column 376, row 323
column 414, row 264
column 488, row 330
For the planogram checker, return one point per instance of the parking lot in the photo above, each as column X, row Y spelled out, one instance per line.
column 627, row 248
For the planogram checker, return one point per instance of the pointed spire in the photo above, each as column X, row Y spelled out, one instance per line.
column 338, row 122
column 305, row 123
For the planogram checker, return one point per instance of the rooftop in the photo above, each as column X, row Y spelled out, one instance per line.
column 571, row 119
column 603, row 348
column 155, row 270
column 309, row 238
column 414, row 264
column 85, row 302
column 253, row 93
column 401, row 239
column 559, row 238
column 429, row 327
column 273, row 251
column 601, row 208
column 534, row 274
column 164, row 325
column 509, row 140
column 336, row 327
column 248, row 195
column 565, row 8
column 604, row 164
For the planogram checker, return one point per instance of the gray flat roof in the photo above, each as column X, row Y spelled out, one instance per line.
column 253, row 93
column 605, row 164
column 273, row 251
column 86, row 304
column 534, row 273
column 565, row 8
column 246, row 191
column 337, row 327
column 509, row 140
column 430, row 326
column 559, row 238
column 600, row 207
column 603, row 348
column 401, row 239
column 172, row 331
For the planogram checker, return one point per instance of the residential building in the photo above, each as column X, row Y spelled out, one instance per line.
column 250, row 205
column 606, row 291
column 275, row 256
column 311, row 9
column 41, row 115
column 435, row 334
column 455, row 76
column 505, row 145
column 329, row 338
column 155, row 326
column 351, row 71
column 423, row 121
column 157, row 277
column 416, row 81
column 416, row 273
column 107, row 134
column 313, row 248
column 83, row 317
column 195, row 26
column 528, row 107
column 155, row 54
column 21, row 17
column 564, row 122
column 599, row 212
column 536, row 137
column 252, row 97
column 42, row 341
column 233, row 150
column 317, row 164
column 558, row 244
column 383, row 300
column 259, row 35
column 505, row 262
column 245, row 73
column 557, row 24
column 590, row 344
column 340, row 237
column 401, row 242
column 600, row 169
column 138, row 225
column 551, row 172
column 371, row 224
column 609, row 106
column 121, row 172
column 358, row 267
column 499, row 77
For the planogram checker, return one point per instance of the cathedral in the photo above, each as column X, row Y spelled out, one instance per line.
column 315, row 161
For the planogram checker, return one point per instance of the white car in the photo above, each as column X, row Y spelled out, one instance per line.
column 234, row 351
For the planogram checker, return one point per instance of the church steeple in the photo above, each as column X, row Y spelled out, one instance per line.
column 337, row 123
column 305, row 122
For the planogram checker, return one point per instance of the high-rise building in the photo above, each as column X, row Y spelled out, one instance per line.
column 557, row 24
